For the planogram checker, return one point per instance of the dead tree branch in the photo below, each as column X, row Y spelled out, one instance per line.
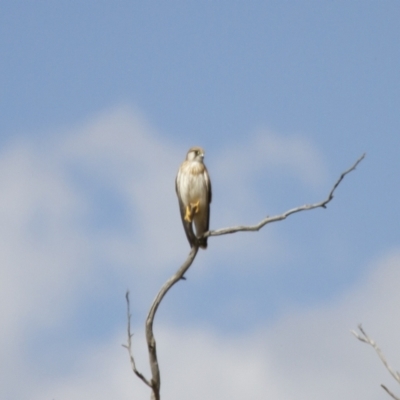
column 363, row 337
column 305, row 207
column 155, row 382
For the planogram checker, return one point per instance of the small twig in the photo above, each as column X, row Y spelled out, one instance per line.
column 267, row 220
column 129, row 345
column 366, row 339
column 390, row 393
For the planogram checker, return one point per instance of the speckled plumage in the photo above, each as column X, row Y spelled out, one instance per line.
column 193, row 188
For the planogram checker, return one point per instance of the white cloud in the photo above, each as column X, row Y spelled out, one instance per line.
column 38, row 252
column 268, row 151
column 127, row 156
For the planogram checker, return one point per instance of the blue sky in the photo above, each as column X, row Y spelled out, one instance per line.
column 100, row 102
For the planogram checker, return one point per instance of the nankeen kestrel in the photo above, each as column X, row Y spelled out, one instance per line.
column 193, row 187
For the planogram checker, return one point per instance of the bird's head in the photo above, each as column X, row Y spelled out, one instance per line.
column 195, row 154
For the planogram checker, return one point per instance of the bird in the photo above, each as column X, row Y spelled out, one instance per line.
column 193, row 188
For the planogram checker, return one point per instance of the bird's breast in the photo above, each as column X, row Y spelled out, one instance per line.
column 193, row 186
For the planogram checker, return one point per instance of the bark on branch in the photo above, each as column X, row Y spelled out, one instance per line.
column 155, row 382
column 363, row 337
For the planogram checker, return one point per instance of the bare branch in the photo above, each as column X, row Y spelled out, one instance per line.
column 363, row 337
column 151, row 342
column 267, row 220
column 155, row 382
column 129, row 345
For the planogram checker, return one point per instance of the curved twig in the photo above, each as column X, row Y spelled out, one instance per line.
column 155, row 382
column 363, row 337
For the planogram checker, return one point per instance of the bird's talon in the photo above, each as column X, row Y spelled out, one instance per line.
column 188, row 215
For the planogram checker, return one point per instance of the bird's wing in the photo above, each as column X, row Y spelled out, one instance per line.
column 187, row 226
column 208, row 185
column 203, row 221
